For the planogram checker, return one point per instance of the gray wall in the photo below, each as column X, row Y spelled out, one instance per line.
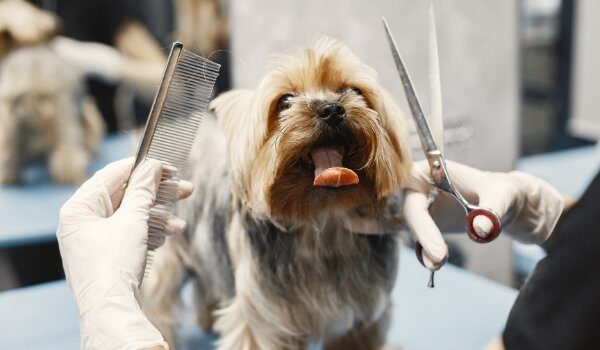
column 585, row 120
column 478, row 54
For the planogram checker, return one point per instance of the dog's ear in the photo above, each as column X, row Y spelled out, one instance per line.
column 392, row 120
column 232, row 109
column 239, row 114
column 25, row 24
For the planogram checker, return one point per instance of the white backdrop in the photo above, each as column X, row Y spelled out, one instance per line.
column 478, row 54
column 585, row 118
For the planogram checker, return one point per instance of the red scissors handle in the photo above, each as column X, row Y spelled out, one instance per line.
column 472, row 213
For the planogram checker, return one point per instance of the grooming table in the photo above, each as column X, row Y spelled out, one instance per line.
column 29, row 213
column 464, row 311
column 570, row 171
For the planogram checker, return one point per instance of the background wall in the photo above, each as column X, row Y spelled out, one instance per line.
column 585, row 120
column 478, row 53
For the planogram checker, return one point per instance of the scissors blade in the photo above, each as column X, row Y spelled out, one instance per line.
column 436, row 116
column 427, row 141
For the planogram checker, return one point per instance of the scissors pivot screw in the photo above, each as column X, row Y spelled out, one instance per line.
column 436, row 164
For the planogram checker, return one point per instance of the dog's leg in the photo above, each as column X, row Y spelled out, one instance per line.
column 234, row 329
column 68, row 163
column 242, row 328
column 93, row 125
column 9, row 165
column 161, row 289
column 9, row 162
column 361, row 337
column 206, row 304
column 251, row 321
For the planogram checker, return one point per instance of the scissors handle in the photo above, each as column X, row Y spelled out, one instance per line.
column 472, row 213
column 442, row 182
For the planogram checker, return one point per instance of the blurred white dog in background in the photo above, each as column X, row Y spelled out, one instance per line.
column 45, row 114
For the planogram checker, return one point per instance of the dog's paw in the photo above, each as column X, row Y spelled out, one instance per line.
column 392, row 347
column 206, row 320
column 68, row 165
column 9, row 177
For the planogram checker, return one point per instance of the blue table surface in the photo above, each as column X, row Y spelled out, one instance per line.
column 464, row 311
column 29, row 213
column 570, row 171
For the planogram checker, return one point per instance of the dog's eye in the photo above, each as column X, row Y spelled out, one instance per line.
column 357, row 91
column 285, row 102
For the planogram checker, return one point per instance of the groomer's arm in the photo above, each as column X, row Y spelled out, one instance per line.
column 102, row 236
column 532, row 206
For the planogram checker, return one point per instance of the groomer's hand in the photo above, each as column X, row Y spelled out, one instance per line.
column 102, row 235
column 534, row 205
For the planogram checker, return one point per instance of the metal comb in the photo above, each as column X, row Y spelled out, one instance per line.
column 177, row 111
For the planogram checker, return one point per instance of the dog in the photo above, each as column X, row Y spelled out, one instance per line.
column 275, row 248
column 45, row 114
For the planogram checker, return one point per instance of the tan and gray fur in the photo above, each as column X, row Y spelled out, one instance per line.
column 275, row 261
column 45, row 114
column 23, row 24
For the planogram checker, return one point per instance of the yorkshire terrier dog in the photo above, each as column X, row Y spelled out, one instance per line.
column 289, row 179
column 45, row 114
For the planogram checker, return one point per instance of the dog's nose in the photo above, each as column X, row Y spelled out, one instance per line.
column 332, row 113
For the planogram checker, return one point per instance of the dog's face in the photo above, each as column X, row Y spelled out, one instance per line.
column 317, row 113
column 39, row 95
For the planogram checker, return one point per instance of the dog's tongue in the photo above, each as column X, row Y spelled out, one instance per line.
column 329, row 171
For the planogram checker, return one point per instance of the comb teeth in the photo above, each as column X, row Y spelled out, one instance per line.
column 186, row 102
column 188, row 93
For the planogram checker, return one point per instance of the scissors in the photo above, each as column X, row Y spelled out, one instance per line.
column 434, row 155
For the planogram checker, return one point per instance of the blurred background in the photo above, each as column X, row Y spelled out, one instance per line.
column 519, row 77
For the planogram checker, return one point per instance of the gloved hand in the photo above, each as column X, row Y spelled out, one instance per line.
column 102, row 236
column 534, row 204
column 91, row 59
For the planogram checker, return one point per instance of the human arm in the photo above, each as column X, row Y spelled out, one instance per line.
column 535, row 206
column 102, row 237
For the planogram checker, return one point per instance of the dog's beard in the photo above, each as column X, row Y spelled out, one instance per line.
column 304, row 146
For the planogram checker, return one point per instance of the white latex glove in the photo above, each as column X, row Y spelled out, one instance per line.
column 91, row 59
column 535, row 204
column 102, row 236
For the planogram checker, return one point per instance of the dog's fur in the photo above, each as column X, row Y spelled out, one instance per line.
column 22, row 23
column 45, row 114
column 273, row 258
